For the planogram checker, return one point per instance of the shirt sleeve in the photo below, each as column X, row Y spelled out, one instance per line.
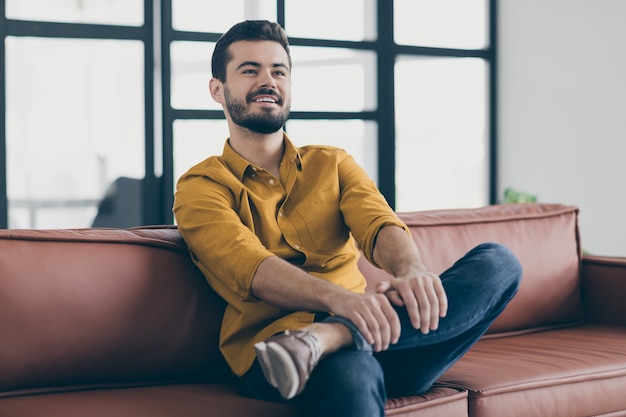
column 364, row 208
column 221, row 245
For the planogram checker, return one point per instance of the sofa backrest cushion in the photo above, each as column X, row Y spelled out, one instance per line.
column 80, row 307
column 543, row 236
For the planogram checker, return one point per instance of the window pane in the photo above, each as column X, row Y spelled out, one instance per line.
column 441, row 145
column 196, row 140
column 191, row 72
column 353, row 20
column 218, row 15
column 75, row 123
column 358, row 137
column 458, row 24
column 113, row 12
column 333, row 79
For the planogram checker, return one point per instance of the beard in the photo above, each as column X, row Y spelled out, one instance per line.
column 264, row 122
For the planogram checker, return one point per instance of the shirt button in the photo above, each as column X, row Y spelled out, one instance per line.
column 296, row 247
column 254, row 169
column 271, row 182
column 280, row 214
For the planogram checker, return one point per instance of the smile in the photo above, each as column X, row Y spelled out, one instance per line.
column 265, row 96
column 266, row 99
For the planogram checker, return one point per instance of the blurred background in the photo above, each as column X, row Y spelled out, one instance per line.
column 445, row 103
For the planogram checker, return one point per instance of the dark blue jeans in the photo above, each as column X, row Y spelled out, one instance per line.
column 356, row 382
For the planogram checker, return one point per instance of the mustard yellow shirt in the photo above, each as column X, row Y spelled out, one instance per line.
column 233, row 215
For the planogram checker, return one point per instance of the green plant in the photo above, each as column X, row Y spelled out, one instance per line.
column 513, row 196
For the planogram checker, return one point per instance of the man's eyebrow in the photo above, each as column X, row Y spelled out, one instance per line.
column 248, row 63
column 257, row 65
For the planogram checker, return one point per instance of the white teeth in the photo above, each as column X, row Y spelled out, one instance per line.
column 266, row 100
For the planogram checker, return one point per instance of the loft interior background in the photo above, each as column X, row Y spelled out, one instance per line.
column 106, row 101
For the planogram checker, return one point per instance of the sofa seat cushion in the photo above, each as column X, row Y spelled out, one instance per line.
column 579, row 371
column 204, row 400
column 441, row 400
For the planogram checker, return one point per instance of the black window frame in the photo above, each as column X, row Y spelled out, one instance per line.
column 61, row 30
column 157, row 191
column 386, row 51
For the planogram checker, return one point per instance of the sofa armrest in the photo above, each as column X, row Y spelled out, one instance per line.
column 604, row 289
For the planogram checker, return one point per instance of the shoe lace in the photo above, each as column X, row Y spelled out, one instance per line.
column 312, row 342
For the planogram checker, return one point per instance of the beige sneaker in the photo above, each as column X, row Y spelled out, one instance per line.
column 287, row 360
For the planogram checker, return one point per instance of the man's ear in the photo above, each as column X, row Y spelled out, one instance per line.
column 216, row 88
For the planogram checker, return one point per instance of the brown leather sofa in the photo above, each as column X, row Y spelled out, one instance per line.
column 111, row 322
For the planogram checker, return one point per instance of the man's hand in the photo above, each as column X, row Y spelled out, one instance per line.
column 414, row 287
column 423, row 296
column 374, row 316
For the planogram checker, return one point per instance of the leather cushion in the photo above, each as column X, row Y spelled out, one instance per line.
column 580, row 371
column 103, row 306
column 206, row 400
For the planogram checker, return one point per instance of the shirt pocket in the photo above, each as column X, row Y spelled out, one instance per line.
column 323, row 221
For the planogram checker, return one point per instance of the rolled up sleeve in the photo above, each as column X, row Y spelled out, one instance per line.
column 364, row 208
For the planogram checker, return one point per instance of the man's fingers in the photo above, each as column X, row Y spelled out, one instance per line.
column 412, row 295
column 434, row 309
column 395, row 298
column 385, row 324
column 374, row 328
column 376, row 319
column 443, row 299
column 383, row 287
column 424, row 298
column 393, row 320
column 361, row 324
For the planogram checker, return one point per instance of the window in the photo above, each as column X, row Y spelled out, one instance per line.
column 441, row 136
column 76, row 122
column 110, row 98
column 74, row 125
column 111, row 12
column 457, row 24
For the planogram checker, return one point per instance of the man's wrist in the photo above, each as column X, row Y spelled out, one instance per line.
column 411, row 271
column 335, row 297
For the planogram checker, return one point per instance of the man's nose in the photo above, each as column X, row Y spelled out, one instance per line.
column 266, row 79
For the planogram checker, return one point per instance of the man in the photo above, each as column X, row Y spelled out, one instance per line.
column 273, row 228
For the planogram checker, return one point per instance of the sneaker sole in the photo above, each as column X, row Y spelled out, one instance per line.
column 264, row 362
column 279, row 369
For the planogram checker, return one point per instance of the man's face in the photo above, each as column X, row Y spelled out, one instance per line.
column 257, row 91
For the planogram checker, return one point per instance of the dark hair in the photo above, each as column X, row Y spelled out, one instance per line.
column 249, row 30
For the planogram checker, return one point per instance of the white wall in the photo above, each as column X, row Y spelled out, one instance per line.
column 562, row 104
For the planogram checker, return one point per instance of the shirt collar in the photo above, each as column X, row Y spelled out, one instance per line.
column 239, row 166
column 292, row 153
